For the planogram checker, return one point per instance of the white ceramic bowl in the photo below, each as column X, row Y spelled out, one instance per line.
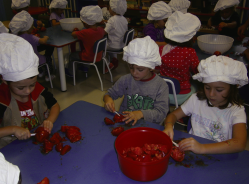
column 210, row 43
column 68, row 24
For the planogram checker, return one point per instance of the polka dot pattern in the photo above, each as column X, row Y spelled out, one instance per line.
column 178, row 63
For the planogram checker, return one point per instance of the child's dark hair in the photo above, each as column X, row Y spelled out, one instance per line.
column 184, row 44
column 8, row 82
column 233, row 96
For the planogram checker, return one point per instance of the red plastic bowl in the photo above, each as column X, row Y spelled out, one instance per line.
column 142, row 171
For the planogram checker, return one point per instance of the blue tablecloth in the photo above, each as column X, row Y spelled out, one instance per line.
column 94, row 160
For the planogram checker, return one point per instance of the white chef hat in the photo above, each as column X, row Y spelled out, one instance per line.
column 181, row 27
column 223, row 4
column 3, row 29
column 22, row 21
column 9, row 173
column 91, row 14
column 223, row 69
column 61, row 4
column 118, row 6
column 142, row 52
column 179, row 5
column 17, row 58
column 18, row 4
column 159, row 11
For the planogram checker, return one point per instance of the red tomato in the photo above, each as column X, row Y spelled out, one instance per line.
column 37, row 35
column 108, row 121
column 34, row 31
column 220, row 29
column 177, row 155
column 217, row 53
column 56, row 138
column 41, row 134
column 138, row 151
column 76, row 29
column 65, row 149
column 118, row 119
column 48, row 146
column 64, row 128
column 59, row 147
column 43, row 29
column 147, row 158
column 73, row 134
column 117, row 131
column 44, row 181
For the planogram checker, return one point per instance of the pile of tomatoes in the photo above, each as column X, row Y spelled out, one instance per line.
column 116, row 119
column 147, row 153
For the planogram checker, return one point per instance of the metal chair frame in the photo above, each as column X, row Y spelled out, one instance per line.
column 51, row 84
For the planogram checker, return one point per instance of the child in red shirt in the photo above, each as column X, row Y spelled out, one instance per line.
column 178, row 58
column 90, row 16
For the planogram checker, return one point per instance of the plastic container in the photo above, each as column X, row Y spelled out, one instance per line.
column 210, row 43
column 68, row 24
column 142, row 171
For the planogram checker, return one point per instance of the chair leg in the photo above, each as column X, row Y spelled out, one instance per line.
column 51, row 84
column 54, row 61
column 104, row 67
column 99, row 77
column 105, row 61
column 74, row 73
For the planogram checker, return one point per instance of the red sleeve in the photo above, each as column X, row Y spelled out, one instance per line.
column 194, row 62
column 81, row 35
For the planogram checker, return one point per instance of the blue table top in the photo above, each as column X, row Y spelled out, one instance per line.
column 94, row 160
column 58, row 37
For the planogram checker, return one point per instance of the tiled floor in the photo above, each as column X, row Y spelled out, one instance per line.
column 88, row 89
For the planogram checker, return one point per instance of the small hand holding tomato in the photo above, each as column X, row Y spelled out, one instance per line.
column 132, row 116
column 21, row 133
column 190, row 144
column 48, row 125
column 76, row 29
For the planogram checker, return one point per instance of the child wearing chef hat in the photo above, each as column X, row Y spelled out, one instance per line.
column 178, row 56
column 216, row 110
column 9, row 173
column 157, row 15
column 145, row 93
column 24, row 103
column 57, row 7
column 22, row 25
column 90, row 16
column 20, row 5
column 3, row 29
column 179, row 5
column 225, row 18
column 116, row 27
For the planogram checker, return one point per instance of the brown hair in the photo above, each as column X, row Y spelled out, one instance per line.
column 184, row 44
column 8, row 82
column 233, row 97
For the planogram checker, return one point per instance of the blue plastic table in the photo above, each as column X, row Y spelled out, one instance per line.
column 94, row 160
column 59, row 38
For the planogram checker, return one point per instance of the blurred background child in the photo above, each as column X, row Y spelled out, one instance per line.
column 178, row 56
column 22, row 25
column 3, row 29
column 105, row 11
column 225, row 18
column 157, row 15
column 116, row 27
column 57, row 11
column 90, row 16
column 20, row 5
column 24, row 103
column 216, row 110
column 179, row 5
column 145, row 93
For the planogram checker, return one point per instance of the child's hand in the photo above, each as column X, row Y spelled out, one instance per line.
column 134, row 115
column 109, row 105
column 190, row 144
column 46, row 37
column 222, row 24
column 39, row 23
column 169, row 130
column 21, row 133
column 48, row 125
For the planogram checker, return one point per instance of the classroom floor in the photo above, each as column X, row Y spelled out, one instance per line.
column 89, row 90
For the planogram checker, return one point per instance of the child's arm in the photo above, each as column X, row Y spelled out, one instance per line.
column 74, row 34
column 109, row 103
column 43, row 40
column 170, row 121
column 236, row 144
column 54, row 113
column 19, row 132
column 209, row 24
column 228, row 25
column 242, row 28
column 55, row 23
column 39, row 23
